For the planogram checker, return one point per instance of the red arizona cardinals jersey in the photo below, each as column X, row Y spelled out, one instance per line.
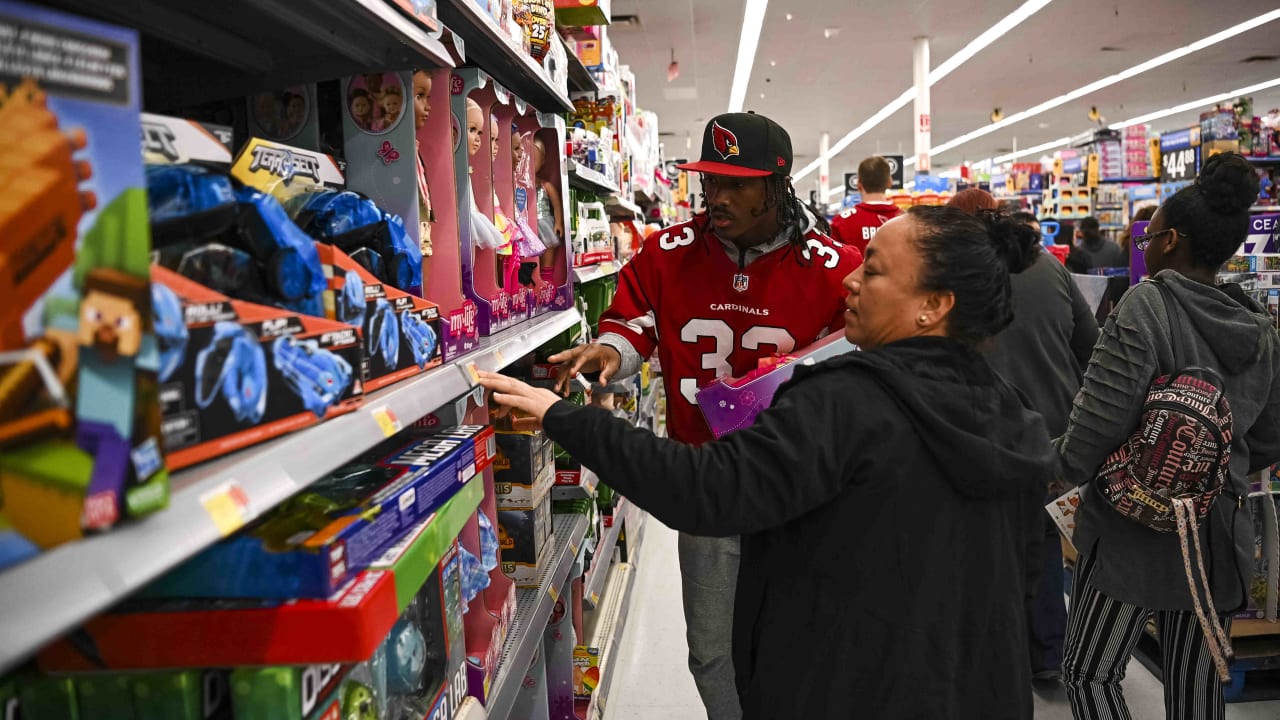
column 857, row 225
column 717, row 319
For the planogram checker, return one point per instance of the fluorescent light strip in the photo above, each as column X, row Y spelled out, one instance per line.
column 1109, row 81
column 992, row 34
column 1029, row 151
column 752, row 22
column 1007, row 23
column 1211, row 100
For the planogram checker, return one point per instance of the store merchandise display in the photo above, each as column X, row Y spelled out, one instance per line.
column 81, row 451
column 313, row 294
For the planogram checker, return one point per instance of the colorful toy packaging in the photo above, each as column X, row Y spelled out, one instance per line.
column 524, row 468
column 731, row 404
column 316, row 541
column 234, row 373
column 79, row 435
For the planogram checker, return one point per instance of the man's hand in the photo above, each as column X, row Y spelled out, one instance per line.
column 513, row 394
column 593, row 357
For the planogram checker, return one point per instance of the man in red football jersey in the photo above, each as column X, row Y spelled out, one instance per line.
column 753, row 276
column 857, row 225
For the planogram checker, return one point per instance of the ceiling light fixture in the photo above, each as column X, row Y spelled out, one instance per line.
column 1109, row 81
column 673, row 70
column 788, row 17
column 1007, row 23
column 752, row 22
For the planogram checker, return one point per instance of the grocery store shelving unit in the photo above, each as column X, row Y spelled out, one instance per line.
column 580, row 78
column 595, row 272
column 487, row 46
column 212, row 500
column 594, row 580
column 584, row 178
column 585, row 489
column 610, row 622
column 212, row 51
column 533, row 611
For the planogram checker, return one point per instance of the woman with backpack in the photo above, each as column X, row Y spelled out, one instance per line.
column 1181, row 335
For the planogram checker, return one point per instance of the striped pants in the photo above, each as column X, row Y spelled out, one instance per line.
column 1101, row 635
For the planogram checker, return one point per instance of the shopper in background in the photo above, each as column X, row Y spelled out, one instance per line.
column 1144, row 214
column 1127, row 571
column 1091, row 250
column 1043, row 353
column 857, row 225
column 889, row 500
column 752, row 276
column 971, row 200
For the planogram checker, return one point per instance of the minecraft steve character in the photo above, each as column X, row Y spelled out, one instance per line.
column 111, row 338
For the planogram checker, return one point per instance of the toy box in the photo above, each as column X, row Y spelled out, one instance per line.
column 558, row 643
column 525, row 538
column 586, row 671
column 317, row 540
column 235, row 373
column 190, row 695
column 401, row 331
column 312, row 692
column 730, row 404
column 524, row 468
column 79, row 437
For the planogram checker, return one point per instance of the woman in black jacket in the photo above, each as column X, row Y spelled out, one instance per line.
column 889, row 500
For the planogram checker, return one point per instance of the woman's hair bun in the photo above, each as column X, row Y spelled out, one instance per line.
column 1014, row 241
column 1228, row 183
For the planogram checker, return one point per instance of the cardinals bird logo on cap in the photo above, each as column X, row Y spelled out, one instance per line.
column 725, row 142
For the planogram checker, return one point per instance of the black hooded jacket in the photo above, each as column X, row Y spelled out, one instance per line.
column 889, row 504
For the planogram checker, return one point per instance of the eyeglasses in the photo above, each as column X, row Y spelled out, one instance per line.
column 1142, row 241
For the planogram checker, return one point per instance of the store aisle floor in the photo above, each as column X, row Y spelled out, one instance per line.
column 654, row 682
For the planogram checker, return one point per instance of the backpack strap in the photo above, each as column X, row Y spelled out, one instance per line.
column 1169, row 303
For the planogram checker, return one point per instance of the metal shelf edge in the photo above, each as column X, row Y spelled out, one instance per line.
column 92, row 574
column 595, row 272
column 603, row 558
column 522, row 641
column 613, row 628
column 489, row 35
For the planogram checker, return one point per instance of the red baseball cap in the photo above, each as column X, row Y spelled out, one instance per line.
column 743, row 145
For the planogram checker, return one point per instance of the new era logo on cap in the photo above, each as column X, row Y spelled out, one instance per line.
column 743, row 145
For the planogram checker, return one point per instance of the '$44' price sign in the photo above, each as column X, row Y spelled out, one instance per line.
column 1179, row 164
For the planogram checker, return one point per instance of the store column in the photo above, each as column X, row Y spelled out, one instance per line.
column 920, row 68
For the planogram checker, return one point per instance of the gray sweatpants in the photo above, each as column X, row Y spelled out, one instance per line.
column 709, row 575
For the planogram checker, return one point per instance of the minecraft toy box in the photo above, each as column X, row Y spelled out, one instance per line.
column 79, row 416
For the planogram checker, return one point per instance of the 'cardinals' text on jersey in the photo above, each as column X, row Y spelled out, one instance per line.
column 708, row 317
column 857, row 225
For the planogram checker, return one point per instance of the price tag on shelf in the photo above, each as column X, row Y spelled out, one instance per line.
column 554, row 593
column 472, row 373
column 497, row 355
column 227, row 505
column 1179, row 165
column 387, row 420
column 595, row 599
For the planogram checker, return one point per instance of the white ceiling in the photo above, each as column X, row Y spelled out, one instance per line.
column 834, row 84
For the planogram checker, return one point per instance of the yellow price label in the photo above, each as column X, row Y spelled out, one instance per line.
column 387, row 420
column 555, row 594
column 227, row 506
column 497, row 355
column 595, row 599
column 473, row 373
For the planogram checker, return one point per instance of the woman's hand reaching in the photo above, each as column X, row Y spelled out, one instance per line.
column 510, row 394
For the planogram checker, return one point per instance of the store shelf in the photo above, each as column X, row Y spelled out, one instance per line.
column 593, row 583
column 580, row 78
column 1109, row 206
column 92, row 574
column 584, row 178
column 1253, row 628
column 487, row 47
column 1270, row 160
column 595, row 272
column 213, row 51
column 1144, row 180
column 585, row 489
column 1265, row 209
column 608, row 633
column 617, row 203
column 533, row 611
column 471, row 709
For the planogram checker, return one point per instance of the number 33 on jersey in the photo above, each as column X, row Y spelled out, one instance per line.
column 685, row 297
